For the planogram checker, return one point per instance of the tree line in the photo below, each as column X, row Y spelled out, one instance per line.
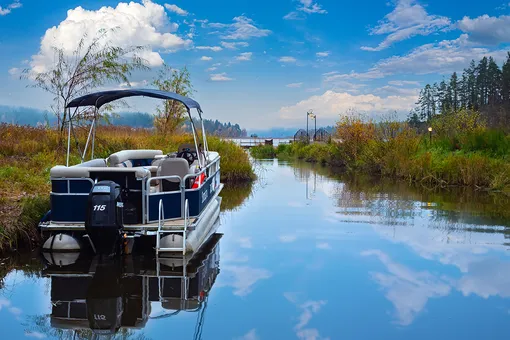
column 217, row 128
column 96, row 63
column 483, row 87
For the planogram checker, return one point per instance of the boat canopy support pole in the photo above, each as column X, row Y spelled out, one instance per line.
column 93, row 134
column 194, row 136
column 206, row 146
column 68, row 136
column 88, row 139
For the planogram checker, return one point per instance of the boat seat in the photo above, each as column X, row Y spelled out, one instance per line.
column 173, row 167
column 132, row 158
column 93, row 163
column 61, row 171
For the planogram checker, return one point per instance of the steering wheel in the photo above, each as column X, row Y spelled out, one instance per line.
column 187, row 155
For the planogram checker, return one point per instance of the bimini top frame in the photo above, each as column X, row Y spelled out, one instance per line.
column 99, row 99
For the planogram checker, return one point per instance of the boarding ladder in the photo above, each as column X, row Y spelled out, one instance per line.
column 162, row 229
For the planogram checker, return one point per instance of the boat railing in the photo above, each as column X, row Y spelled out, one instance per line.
column 162, row 230
column 182, row 188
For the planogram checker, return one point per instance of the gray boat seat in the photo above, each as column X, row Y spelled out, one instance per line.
column 132, row 158
column 61, row 171
column 93, row 163
column 173, row 167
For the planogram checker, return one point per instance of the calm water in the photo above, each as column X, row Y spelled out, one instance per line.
column 304, row 255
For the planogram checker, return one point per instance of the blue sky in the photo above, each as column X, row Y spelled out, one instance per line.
column 265, row 63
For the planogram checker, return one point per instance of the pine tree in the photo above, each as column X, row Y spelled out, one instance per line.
column 493, row 83
column 443, row 97
column 482, row 81
column 505, row 80
column 454, row 92
column 426, row 102
column 470, row 86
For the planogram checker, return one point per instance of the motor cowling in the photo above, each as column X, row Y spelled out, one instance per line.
column 104, row 222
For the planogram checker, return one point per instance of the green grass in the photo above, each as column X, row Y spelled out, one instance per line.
column 478, row 158
column 263, row 152
column 27, row 155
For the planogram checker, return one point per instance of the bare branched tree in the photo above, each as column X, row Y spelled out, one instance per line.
column 89, row 66
column 171, row 116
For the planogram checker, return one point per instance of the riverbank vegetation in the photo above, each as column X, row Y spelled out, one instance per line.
column 28, row 153
column 457, row 135
column 461, row 151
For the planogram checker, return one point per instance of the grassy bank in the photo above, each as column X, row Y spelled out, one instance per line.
column 475, row 157
column 27, row 155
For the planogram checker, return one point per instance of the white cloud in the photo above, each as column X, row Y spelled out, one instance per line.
column 345, row 86
column 445, row 56
column 322, row 54
column 14, row 71
column 287, row 238
column 145, row 24
column 210, row 69
column 9, row 8
column 246, row 56
column 242, row 28
column 486, row 30
column 323, row 245
column 294, row 85
column 408, row 290
column 211, row 48
column 313, row 89
column 308, row 309
column 251, row 335
column 294, row 16
column 397, row 91
column 287, row 60
column 234, row 45
column 206, row 58
column 242, row 278
column 305, row 6
column 330, row 104
column 134, row 84
column 176, row 9
column 245, row 242
column 370, row 74
column 407, row 19
column 35, row 335
column 403, row 82
column 308, row 6
column 220, row 77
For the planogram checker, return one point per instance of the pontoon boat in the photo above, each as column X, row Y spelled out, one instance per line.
column 172, row 199
column 110, row 295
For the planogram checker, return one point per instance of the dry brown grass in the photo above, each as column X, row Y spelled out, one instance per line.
column 28, row 153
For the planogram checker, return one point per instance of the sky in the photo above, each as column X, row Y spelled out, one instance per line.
column 265, row 63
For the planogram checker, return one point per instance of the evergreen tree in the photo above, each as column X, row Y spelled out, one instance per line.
column 482, row 81
column 454, row 92
column 493, row 83
column 505, row 80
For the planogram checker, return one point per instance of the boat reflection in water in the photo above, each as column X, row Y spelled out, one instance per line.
column 105, row 295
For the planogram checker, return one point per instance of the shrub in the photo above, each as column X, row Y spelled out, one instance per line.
column 263, row 152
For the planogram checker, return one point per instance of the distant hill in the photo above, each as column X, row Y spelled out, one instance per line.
column 35, row 117
column 25, row 116
column 217, row 128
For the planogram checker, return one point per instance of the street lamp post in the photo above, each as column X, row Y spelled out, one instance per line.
column 309, row 113
column 315, row 132
column 430, row 135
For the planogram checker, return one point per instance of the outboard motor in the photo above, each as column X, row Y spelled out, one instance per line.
column 105, row 305
column 104, row 222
